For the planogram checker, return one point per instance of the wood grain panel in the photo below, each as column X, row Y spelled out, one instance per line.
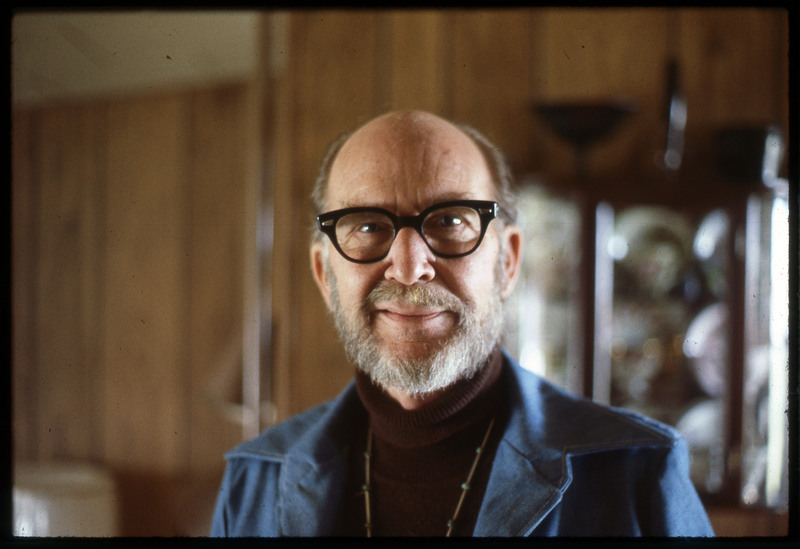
column 491, row 67
column 419, row 77
column 146, row 286
column 129, row 235
column 219, row 167
column 736, row 60
column 25, row 235
column 281, row 143
column 218, row 231
column 590, row 55
column 68, row 303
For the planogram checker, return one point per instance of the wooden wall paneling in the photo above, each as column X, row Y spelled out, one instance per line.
column 272, row 57
column 128, row 231
column 491, row 72
column 383, row 69
column 146, row 290
column 215, row 163
column 420, row 78
column 92, row 266
column 639, row 51
column 588, row 55
column 591, row 54
column 147, row 303
column 67, row 298
column 218, row 229
column 281, row 142
column 331, row 77
column 255, row 259
column 327, row 88
column 736, row 64
column 540, row 137
column 25, row 236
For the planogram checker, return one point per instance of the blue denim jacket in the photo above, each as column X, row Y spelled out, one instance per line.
column 565, row 466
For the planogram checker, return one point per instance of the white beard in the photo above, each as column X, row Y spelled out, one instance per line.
column 459, row 356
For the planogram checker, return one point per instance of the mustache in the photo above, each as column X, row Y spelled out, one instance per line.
column 419, row 295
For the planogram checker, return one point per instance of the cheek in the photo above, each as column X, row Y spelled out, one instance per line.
column 353, row 282
column 481, row 270
column 473, row 277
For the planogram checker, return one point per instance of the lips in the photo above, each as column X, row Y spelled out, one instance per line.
column 407, row 311
column 432, row 323
column 400, row 323
column 412, row 312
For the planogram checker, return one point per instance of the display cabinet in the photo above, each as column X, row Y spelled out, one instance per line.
column 666, row 292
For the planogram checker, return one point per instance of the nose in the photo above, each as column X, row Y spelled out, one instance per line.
column 409, row 259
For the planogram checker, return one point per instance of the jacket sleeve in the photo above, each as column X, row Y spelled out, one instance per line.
column 248, row 500
column 675, row 507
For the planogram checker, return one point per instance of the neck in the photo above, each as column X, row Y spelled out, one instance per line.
column 412, row 418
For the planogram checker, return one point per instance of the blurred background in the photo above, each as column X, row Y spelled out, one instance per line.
column 163, row 308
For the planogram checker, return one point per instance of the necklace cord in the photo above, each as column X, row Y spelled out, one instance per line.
column 465, row 486
column 366, row 487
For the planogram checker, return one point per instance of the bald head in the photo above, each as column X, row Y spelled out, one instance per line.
column 415, row 153
column 412, row 147
column 402, row 132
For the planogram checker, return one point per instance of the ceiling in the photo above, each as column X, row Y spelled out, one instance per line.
column 80, row 55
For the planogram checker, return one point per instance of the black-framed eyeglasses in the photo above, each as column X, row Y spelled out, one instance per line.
column 450, row 229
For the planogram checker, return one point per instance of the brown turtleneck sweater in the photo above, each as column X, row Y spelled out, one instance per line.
column 421, row 457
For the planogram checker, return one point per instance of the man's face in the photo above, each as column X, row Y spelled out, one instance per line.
column 415, row 321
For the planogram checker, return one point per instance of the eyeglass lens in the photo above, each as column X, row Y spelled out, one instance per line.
column 451, row 230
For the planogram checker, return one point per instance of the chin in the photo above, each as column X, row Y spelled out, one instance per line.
column 414, row 351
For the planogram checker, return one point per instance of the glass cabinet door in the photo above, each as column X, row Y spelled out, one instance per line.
column 665, row 342
column 764, row 454
column 543, row 317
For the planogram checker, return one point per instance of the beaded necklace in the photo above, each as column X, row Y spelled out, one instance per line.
column 465, row 486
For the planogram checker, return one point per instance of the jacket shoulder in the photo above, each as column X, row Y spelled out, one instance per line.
column 306, row 429
column 559, row 419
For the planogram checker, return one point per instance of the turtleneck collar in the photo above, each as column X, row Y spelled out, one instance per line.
column 463, row 404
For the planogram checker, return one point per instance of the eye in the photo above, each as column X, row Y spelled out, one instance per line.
column 452, row 224
column 367, row 228
column 363, row 229
column 449, row 220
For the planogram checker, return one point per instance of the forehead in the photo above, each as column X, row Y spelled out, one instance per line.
column 407, row 164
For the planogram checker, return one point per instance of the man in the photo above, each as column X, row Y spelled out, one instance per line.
column 441, row 432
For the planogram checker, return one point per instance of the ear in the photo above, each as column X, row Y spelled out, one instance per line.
column 320, row 272
column 512, row 236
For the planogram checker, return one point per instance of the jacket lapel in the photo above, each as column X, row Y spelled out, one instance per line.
column 311, row 495
column 517, row 497
column 530, row 474
column 314, row 471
